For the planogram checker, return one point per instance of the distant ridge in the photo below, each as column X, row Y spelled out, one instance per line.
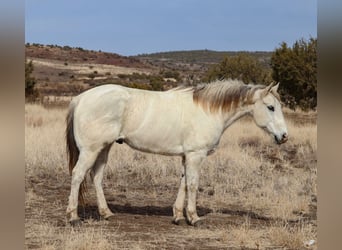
column 203, row 56
column 80, row 55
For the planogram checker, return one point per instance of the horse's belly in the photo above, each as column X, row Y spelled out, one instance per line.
column 154, row 146
column 155, row 138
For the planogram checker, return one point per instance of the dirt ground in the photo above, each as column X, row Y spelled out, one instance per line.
column 143, row 208
column 137, row 220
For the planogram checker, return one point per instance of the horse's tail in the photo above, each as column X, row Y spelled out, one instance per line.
column 72, row 149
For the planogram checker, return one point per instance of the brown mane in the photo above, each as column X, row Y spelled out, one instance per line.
column 224, row 95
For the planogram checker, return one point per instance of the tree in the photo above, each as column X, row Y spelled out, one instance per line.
column 243, row 67
column 156, row 82
column 30, row 91
column 296, row 69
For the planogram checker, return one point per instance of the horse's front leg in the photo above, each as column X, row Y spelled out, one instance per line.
column 178, row 206
column 192, row 171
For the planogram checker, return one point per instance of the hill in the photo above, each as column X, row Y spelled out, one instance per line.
column 80, row 55
column 63, row 70
column 193, row 64
column 201, row 56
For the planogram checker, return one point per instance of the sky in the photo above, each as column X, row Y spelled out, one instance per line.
column 131, row 27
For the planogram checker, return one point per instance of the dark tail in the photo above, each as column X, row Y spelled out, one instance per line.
column 73, row 151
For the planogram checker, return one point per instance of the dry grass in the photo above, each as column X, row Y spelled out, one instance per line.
column 292, row 237
column 254, row 194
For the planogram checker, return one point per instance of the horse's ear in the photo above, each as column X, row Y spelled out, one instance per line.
column 269, row 88
column 274, row 89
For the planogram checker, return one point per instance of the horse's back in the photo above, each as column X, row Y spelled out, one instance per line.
column 159, row 122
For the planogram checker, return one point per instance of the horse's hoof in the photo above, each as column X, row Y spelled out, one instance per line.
column 179, row 222
column 198, row 223
column 110, row 218
column 76, row 223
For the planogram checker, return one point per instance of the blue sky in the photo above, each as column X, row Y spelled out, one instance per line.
column 130, row 27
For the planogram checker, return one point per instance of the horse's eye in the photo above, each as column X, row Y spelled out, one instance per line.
column 271, row 108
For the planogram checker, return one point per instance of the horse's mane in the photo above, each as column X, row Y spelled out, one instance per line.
column 224, row 95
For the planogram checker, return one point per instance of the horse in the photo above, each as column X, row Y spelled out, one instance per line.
column 184, row 121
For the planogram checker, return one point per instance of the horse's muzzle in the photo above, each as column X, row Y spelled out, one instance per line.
column 283, row 138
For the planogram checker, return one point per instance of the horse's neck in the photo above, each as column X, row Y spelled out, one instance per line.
column 231, row 117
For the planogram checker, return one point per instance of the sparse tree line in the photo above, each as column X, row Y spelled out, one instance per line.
column 294, row 67
column 66, row 47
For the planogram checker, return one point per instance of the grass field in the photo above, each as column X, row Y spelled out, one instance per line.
column 253, row 194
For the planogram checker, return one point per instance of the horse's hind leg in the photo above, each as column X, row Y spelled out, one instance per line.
column 85, row 161
column 178, row 206
column 97, row 176
column 192, row 169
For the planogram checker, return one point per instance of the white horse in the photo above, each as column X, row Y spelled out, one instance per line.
column 188, row 122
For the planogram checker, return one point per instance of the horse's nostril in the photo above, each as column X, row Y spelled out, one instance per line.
column 285, row 137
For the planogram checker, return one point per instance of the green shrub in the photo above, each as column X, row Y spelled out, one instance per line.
column 241, row 66
column 30, row 92
column 296, row 69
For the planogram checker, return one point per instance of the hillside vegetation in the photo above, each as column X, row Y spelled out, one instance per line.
column 60, row 71
column 69, row 54
column 203, row 56
column 64, row 70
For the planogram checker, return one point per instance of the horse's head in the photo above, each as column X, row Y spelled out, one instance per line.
column 267, row 113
